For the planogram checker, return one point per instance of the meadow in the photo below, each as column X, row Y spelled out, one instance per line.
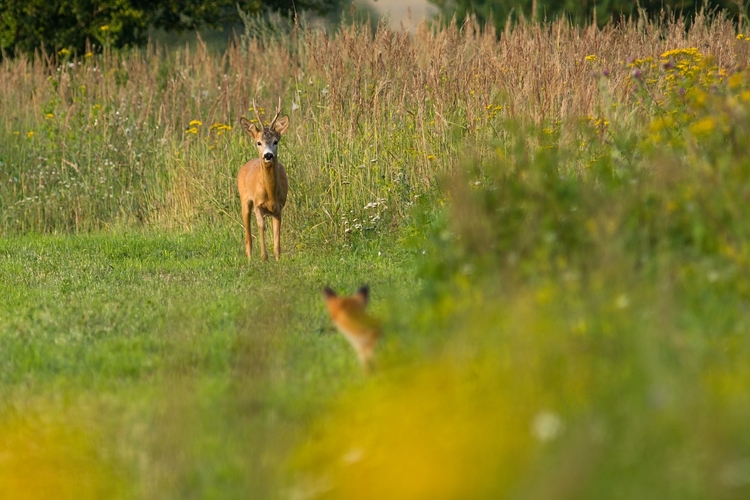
column 554, row 222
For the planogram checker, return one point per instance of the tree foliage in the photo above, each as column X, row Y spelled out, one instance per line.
column 27, row 24
column 579, row 11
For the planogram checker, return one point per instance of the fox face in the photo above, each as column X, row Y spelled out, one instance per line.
column 350, row 318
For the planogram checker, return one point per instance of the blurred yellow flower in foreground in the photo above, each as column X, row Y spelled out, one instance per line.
column 465, row 427
column 704, row 126
column 44, row 457
column 437, row 435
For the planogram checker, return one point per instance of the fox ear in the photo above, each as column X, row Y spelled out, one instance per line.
column 363, row 294
column 329, row 293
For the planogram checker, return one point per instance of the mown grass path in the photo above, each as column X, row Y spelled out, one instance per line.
column 185, row 366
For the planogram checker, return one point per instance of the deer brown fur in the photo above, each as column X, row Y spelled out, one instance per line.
column 262, row 182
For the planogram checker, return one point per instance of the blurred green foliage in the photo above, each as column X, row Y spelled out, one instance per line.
column 580, row 11
column 667, row 176
column 70, row 24
column 582, row 326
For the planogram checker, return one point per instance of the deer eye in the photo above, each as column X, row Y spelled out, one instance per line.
column 258, row 143
column 275, row 143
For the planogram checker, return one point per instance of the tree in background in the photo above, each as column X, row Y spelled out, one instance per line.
column 579, row 11
column 28, row 24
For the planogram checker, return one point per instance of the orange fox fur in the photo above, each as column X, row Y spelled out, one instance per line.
column 359, row 328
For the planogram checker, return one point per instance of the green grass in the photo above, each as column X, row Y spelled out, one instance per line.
column 224, row 363
column 554, row 224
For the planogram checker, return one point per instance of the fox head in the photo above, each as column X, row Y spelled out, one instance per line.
column 362, row 296
column 349, row 315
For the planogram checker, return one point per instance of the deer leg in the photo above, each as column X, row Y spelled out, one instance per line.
column 261, row 229
column 246, row 207
column 277, row 236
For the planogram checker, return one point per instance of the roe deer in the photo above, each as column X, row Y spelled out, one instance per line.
column 262, row 182
column 359, row 328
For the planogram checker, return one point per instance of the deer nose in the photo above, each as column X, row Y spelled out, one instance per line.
column 268, row 156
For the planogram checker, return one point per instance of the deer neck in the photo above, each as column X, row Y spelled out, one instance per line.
column 269, row 177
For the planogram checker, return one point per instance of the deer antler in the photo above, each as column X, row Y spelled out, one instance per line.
column 278, row 112
column 257, row 116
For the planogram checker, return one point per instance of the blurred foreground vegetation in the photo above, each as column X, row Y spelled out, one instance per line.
column 556, row 240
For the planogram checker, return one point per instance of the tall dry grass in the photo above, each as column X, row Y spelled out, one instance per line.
column 92, row 140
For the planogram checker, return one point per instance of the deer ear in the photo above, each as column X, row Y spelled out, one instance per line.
column 249, row 127
column 281, row 125
column 363, row 294
column 329, row 293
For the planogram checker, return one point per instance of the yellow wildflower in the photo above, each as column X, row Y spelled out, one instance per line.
column 641, row 62
column 49, row 116
column 192, row 130
column 735, row 81
column 698, row 97
column 220, row 128
column 104, row 27
column 591, row 58
column 430, row 157
column 691, row 52
column 195, row 123
column 600, row 122
column 742, row 37
column 661, row 123
column 30, row 134
column 88, row 54
column 64, row 52
column 704, row 126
